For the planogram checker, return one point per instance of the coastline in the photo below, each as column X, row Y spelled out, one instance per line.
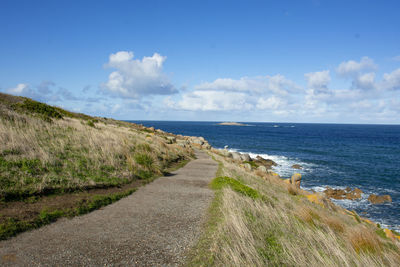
column 284, row 170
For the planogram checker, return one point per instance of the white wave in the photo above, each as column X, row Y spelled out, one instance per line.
column 284, row 168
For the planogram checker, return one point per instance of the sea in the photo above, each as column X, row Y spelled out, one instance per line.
column 334, row 155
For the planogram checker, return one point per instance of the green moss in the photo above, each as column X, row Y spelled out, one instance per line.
column 252, row 164
column 220, row 182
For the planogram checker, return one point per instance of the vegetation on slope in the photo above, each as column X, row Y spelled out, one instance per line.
column 258, row 220
column 46, row 150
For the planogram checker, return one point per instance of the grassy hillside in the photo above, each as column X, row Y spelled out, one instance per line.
column 47, row 151
column 257, row 219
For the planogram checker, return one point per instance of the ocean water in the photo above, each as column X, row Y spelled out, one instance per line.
column 335, row 155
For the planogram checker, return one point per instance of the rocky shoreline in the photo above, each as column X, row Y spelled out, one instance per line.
column 264, row 167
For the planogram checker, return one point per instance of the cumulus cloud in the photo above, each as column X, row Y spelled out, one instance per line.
column 271, row 103
column 254, row 85
column 365, row 81
column 318, row 80
column 42, row 92
column 22, row 89
column 351, row 67
column 203, row 100
column 246, row 93
column 135, row 78
column 391, row 81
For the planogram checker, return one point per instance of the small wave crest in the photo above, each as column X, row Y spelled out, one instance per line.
column 284, row 168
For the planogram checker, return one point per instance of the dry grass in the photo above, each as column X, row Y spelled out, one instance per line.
column 39, row 154
column 285, row 229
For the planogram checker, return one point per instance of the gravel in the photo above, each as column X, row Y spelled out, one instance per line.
column 155, row 226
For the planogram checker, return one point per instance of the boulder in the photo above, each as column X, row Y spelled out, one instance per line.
column 296, row 179
column 335, row 193
column 236, row 156
column 297, row 166
column 151, row 129
column 268, row 163
column 262, row 168
column 348, row 193
column 377, row 199
column 245, row 157
column 247, row 166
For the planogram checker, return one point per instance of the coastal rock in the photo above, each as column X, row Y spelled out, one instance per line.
column 348, row 193
column 245, row 157
column 236, row 156
column 296, row 179
column 247, row 166
column 268, row 163
column 151, row 129
column 262, row 168
column 297, row 166
column 377, row 199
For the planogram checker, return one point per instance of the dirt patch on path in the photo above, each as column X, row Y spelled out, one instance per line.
column 154, row 226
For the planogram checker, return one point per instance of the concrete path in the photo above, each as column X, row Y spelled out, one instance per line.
column 153, row 227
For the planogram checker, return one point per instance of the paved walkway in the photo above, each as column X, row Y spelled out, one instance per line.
column 152, row 227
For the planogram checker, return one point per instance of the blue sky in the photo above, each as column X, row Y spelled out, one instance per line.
column 273, row 61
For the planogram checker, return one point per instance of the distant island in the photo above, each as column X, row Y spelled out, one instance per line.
column 232, row 124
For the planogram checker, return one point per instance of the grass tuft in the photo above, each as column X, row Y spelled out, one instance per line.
column 220, row 182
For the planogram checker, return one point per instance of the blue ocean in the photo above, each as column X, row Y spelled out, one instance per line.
column 335, row 155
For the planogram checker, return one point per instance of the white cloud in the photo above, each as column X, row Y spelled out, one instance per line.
column 365, row 81
column 272, row 103
column 203, row 100
column 255, row 85
column 351, row 67
column 391, row 81
column 134, row 78
column 21, row 89
column 318, row 80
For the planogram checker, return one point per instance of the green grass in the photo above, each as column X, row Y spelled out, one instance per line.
column 32, row 106
column 144, row 159
column 223, row 181
column 252, row 164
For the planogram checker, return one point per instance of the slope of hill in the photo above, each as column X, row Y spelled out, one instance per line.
column 58, row 163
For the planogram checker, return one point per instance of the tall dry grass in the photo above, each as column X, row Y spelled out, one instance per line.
column 283, row 229
column 67, row 153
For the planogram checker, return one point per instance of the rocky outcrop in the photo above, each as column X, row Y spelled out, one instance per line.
column 297, row 166
column 262, row 168
column 377, row 199
column 267, row 163
column 348, row 193
column 198, row 141
column 296, row 179
column 236, row 156
column 247, row 166
column 245, row 157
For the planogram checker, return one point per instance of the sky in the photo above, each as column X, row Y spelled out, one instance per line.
column 310, row 61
